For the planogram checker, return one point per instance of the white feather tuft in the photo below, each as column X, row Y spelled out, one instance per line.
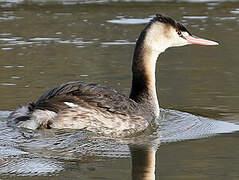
column 72, row 105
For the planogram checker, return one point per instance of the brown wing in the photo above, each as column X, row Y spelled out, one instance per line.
column 84, row 94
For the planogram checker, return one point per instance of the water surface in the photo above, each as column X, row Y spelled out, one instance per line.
column 46, row 43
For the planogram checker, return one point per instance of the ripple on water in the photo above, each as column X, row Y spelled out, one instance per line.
column 9, row 18
column 10, row 66
column 4, row 113
column 29, row 166
column 41, row 41
column 42, row 152
column 129, row 21
column 15, row 77
column 6, row 151
column 7, row 84
column 195, row 17
column 178, row 126
column 227, row 18
column 10, row 39
column 236, row 11
column 6, row 49
column 16, row 159
column 44, row 39
column 77, row 41
column 117, row 42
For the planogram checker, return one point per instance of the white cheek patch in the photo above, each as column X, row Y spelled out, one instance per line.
column 72, row 105
column 185, row 34
column 180, row 41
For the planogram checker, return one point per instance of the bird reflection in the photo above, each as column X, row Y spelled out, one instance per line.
column 143, row 162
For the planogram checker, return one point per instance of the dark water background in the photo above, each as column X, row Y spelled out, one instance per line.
column 46, row 43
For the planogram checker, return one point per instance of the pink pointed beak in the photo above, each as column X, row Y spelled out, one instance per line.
column 200, row 41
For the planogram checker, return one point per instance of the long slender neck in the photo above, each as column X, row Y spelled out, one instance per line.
column 143, row 89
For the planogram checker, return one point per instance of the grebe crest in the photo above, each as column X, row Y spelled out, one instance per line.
column 163, row 32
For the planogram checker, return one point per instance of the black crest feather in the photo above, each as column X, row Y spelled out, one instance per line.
column 168, row 20
column 164, row 19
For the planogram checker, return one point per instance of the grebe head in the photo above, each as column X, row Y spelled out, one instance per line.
column 163, row 32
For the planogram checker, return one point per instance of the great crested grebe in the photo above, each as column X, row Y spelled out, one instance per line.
column 101, row 109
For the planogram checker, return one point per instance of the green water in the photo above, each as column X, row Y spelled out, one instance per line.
column 46, row 43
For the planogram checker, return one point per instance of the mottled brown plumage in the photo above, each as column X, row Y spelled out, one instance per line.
column 104, row 100
column 95, row 103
